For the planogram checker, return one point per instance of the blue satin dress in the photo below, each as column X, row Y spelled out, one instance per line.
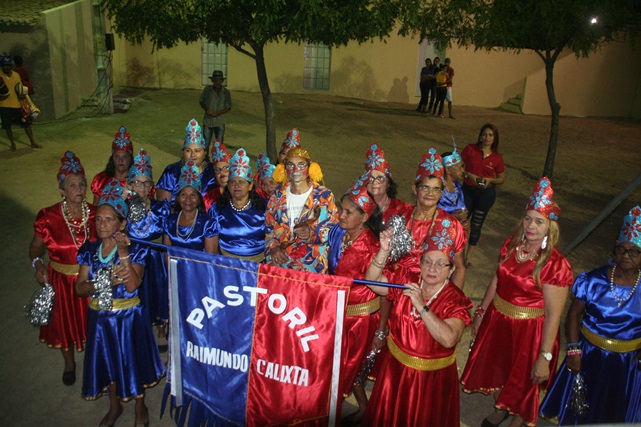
column 171, row 175
column 612, row 379
column 120, row 346
column 239, row 233
column 181, row 236
column 452, row 201
column 154, row 292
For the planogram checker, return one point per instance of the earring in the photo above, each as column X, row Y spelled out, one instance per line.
column 544, row 244
column 522, row 236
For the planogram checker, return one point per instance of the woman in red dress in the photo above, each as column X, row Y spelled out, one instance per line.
column 121, row 159
column 517, row 323
column 60, row 230
column 418, row 383
column 352, row 244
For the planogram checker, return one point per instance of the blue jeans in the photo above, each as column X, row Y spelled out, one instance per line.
column 478, row 202
column 218, row 131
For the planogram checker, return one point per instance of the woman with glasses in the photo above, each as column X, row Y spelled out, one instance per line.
column 381, row 185
column 418, row 381
column 239, row 214
column 220, row 157
column 516, row 325
column 146, row 221
column 484, row 170
column 194, row 149
column 603, row 329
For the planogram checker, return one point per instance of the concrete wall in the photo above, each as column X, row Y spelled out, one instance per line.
column 387, row 71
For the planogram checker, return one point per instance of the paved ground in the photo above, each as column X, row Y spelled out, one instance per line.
column 595, row 160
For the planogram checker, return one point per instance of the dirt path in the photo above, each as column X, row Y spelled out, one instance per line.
column 596, row 158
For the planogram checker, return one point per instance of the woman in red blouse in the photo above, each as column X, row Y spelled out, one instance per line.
column 484, row 170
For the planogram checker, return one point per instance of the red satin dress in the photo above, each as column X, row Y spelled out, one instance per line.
column 100, row 181
column 405, row 396
column 506, row 348
column 359, row 329
column 68, row 324
column 395, row 207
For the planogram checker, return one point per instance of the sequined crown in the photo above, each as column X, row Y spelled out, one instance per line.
column 122, row 142
column 265, row 168
column 112, row 195
column 141, row 166
column 219, row 152
column 541, row 200
column 375, row 160
column 189, row 176
column 431, row 165
column 442, row 238
column 239, row 166
column 631, row 228
column 193, row 134
column 452, row 159
column 359, row 195
column 291, row 141
column 69, row 165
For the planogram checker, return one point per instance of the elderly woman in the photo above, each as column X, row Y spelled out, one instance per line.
column 121, row 358
column 194, row 149
column 239, row 215
column 220, row 158
column 453, row 199
column 381, row 185
column 418, row 382
column 484, row 170
column 517, row 323
column 603, row 330
column 353, row 242
column 291, row 141
column 424, row 219
column 146, row 221
column 189, row 226
column 265, row 184
column 60, row 230
column 118, row 165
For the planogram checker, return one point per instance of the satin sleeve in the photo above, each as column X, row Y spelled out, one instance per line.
column 580, row 288
column 168, row 181
column 84, row 254
column 40, row 227
column 209, row 227
column 137, row 253
column 557, row 271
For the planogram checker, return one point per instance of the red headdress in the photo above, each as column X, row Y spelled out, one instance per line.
column 69, row 165
column 541, row 200
column 122, row 142
column 358, row 194
column 375, row 160
column 431, row 165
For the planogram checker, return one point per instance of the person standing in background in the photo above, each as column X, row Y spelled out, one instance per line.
column 216, row 101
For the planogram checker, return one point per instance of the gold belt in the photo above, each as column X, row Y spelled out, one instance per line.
column 256, row 258
column 419, row 363
column 516, row 311
column 609, row 344
column 68, row 269
column 364, row 308
column 118, row 303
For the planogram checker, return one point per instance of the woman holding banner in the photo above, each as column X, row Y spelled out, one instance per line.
column 352, row 245
column 418, row 380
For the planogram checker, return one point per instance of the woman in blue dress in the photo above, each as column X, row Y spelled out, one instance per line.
column 603, row 329
column 453, row 201
column 146, row 221
column 189, row 226
column 194, row 149
column 121, row 358
column 239, row 215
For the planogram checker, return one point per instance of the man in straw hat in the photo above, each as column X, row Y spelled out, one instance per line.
column 216, row 101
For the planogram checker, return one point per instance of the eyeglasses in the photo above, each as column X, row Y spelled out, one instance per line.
column 439, row 265
column 299, row 166
column 377, row 180
column 429, row 190
column 239, row 183
column 621, row 251
column 138, row 183
column 221, row 169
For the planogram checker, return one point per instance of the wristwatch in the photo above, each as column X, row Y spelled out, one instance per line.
column 425, row 309
column 547, row 355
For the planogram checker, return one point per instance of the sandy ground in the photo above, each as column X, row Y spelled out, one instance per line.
column 596, row 158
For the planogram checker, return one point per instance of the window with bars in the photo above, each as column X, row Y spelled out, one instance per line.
column 317, row 67
column 214, row 57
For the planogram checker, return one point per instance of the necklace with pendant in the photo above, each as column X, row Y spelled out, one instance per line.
column 628, row 296
column 347, row 242
column 522, row 256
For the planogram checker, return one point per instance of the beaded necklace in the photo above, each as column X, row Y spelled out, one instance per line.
column 234, row 208
column 347, row 242
column 108, row 259
column 191, row 229
column 628, row 296
column 414, row 312
column 76, row 226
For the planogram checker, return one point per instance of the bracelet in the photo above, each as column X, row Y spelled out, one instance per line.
column 479, row 312
column 425, row 309
column 35, row 260
column 381, row 335
column 123, row 257
column 573, row 344
column 377, row 263
column 575, row 352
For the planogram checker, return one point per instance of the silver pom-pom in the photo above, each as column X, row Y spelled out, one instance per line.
column 137, row 208
column 402, row 241
column 366, row 367
column 102, row 283
column 579, row 400
column 38, row 310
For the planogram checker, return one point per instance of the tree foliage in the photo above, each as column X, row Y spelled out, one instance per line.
column 249, row 25
column 546, row 27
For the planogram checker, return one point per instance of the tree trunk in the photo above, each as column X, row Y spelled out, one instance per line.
column 555, row 107
column 268, row 103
